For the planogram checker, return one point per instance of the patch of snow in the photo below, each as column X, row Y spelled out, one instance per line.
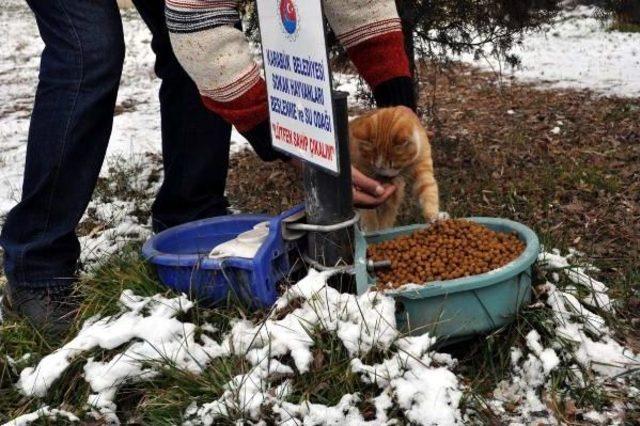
column 421, row 382
column 346, row 83
column 595, row 417
column 577, row 51
column 604, row 356
column 157, row 335
column 359, row 93
column 148, row 332
column 518, row 399
column 360, row 322
column 411, row 377
column 576, row 323
column 343, row 413
column 43, row 413
column 548, row 356
column 98, row 247
column 15, row 362
column 598, row 296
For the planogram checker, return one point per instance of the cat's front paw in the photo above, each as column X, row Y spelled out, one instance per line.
column 431, row 214
column 440, row 216
column 443, row 216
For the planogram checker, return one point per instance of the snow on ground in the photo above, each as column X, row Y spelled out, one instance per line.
column 577, row 51
column 43, row 413
column 416, row 377
column 423, row 384
column 583, row 344
column 136, row 129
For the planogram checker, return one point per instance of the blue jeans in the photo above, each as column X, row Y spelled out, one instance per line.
column 70, row 128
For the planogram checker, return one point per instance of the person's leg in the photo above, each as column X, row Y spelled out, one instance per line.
column 70, row 128
column 195, row 141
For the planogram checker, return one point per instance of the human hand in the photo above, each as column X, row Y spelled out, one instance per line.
column 369, row 193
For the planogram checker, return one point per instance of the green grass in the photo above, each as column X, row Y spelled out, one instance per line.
column 330, row 377
column 164, row 400
column 18, row 338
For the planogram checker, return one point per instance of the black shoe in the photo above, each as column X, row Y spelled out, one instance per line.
column 52, row 310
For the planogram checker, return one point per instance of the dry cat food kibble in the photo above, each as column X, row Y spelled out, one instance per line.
column 446, row 250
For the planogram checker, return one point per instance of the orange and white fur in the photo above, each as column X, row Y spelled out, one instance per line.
column 385, row 144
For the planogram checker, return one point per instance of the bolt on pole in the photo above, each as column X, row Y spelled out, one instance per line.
column 329, row 198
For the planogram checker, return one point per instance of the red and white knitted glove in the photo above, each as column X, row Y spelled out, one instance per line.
column 371, row 32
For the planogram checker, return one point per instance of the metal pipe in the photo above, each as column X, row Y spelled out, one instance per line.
column 329, row 198
column 324, row 228
column 372, row 266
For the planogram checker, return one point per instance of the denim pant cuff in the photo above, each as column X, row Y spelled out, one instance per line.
column 43, row 283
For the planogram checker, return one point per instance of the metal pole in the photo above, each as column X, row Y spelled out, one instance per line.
column 329, row 198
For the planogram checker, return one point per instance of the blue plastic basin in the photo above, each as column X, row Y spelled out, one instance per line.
column 457, row 309
column 180, row 255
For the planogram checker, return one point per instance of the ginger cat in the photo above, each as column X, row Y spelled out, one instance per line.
column 384, row 144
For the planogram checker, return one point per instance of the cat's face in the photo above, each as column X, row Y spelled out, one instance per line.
column 388, row 140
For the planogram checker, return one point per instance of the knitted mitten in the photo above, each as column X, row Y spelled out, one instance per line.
column 395, row 91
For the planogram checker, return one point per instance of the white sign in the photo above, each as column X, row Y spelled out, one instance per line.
column 298, row 80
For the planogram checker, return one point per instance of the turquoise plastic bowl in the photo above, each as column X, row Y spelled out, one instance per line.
column 454, row 310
